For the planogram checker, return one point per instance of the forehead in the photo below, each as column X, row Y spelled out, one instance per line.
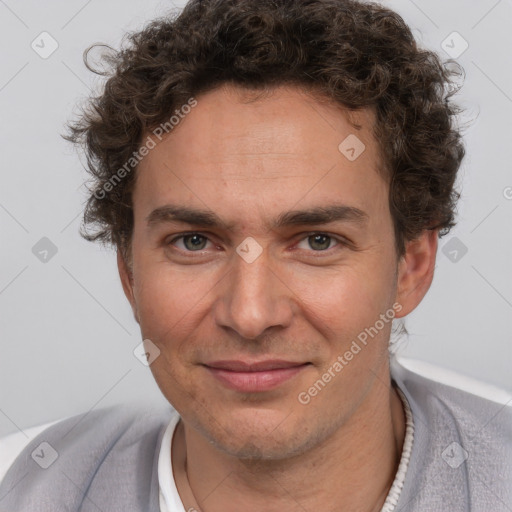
column 243, row 149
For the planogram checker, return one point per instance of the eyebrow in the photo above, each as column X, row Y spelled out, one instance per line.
column 207, row 218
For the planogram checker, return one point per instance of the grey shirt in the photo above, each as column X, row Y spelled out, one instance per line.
column 106, row 460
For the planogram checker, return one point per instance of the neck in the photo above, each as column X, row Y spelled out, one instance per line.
column 356, row 466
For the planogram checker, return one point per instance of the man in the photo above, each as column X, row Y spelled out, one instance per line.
column 274, row 176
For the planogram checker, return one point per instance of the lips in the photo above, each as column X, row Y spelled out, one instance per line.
column 242, row 366
column 252, row 377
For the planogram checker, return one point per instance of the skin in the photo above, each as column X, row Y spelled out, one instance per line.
column 249, row 159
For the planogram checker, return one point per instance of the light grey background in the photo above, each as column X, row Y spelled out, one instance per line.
column 67, row 331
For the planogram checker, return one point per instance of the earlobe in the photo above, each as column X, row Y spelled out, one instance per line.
column 126, row 275
column 416, row 271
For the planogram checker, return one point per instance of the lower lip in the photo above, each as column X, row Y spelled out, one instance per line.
column 252, row 382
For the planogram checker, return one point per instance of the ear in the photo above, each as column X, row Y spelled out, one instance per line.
column 416, row 271
column 126, row 275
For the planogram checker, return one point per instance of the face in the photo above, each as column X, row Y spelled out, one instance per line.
column 258, row 245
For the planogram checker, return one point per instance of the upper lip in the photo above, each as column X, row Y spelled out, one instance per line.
column 256, row 366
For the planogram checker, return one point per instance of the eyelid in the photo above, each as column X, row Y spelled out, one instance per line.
column 341, row 241
column 179, row 236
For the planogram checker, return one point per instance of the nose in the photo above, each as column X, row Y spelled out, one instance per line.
column 253, row 298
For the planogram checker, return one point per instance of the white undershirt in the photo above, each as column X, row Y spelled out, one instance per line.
column 170, row 499
column 13, row 444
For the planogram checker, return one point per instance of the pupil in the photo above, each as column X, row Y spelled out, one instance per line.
column 198, row 241
column 319, row 240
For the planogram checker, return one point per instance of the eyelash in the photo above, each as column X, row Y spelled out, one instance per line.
column 341, row 242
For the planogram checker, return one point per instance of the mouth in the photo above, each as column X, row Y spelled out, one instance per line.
column 253, row 377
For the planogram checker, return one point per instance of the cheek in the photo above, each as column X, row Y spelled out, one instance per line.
column 169, row 305
column 165, row 298
column 344, row 301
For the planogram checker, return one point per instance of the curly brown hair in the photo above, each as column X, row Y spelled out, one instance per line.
column 357, row 54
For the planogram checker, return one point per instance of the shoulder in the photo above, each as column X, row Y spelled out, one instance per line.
column 466, row 400
column 81, row 452
column 12, row 445
column 93, row 426
column 462, row 449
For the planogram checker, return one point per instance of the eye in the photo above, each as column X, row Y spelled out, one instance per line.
column 318, row 242
column 190, row 242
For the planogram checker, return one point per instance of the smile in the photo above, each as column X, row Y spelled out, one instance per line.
column 256, row 377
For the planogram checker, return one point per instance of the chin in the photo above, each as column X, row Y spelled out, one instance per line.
column 257, row 448
column 255, row 435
